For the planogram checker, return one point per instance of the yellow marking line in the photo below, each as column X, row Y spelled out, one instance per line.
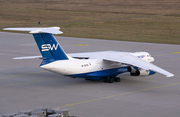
column 27, row 82
column 82, row 44
column 168, row 60
column 176, row 52
column 168, row 54
column 3, row 77
column 22, row 74
column 162, row 54
column 118, row 95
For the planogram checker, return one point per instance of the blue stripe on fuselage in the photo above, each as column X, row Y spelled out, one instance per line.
column 98, row 75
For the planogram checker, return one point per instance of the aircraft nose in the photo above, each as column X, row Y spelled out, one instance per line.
column 152, row 59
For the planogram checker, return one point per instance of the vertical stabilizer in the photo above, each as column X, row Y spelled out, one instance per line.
column 49, row 47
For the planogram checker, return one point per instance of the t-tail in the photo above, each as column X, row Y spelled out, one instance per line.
column 48, row 46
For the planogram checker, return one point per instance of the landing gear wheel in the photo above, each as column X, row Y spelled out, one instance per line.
column 118, row 79
column 105, row 80
column 111, row 80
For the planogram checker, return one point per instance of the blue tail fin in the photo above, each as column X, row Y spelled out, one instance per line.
column 49, row 47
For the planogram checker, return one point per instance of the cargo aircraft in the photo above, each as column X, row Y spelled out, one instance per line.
column 106, row 65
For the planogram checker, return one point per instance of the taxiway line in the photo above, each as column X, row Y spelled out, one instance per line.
column 28, row 82
column 67, row 105
column 22, row 74
column 168, row 60
column 167, row 54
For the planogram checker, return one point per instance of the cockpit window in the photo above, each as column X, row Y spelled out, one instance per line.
column 149, row 55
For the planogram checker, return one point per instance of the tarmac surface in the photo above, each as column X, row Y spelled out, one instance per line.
column 24, row 86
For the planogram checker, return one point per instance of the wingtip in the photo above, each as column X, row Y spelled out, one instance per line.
column 171, row 75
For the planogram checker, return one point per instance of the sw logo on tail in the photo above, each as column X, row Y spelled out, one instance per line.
column 47, row 47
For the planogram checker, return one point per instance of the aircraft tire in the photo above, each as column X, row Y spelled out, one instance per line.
column 111, row 80
column 118, row 79
column 105, row 80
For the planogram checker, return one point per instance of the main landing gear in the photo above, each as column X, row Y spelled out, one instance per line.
column 111, row 80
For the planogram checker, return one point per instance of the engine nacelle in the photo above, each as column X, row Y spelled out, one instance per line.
column 131, row 69
column 140, row 72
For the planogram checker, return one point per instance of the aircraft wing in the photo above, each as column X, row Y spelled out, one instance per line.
column 124, row 57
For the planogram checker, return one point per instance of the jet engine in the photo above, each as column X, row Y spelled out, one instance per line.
column 139, row 72
column 142, row 72
column 131, row 69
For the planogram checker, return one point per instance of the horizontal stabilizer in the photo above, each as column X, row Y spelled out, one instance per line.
column 29, row 57
column 53, row 30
